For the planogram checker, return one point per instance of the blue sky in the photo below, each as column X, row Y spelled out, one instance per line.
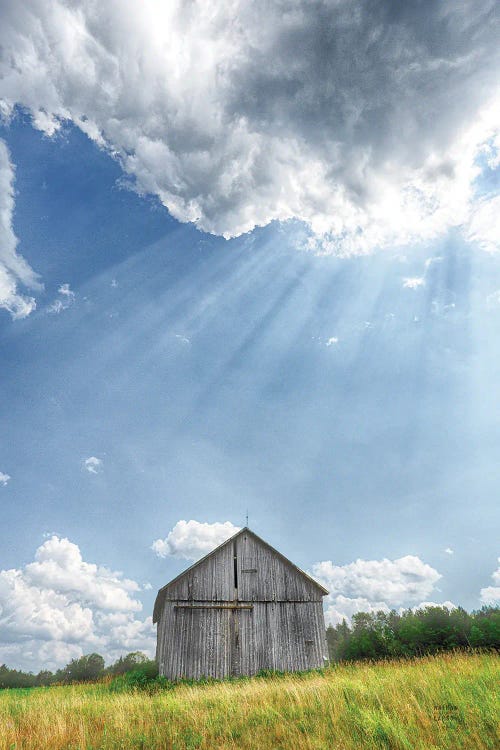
column 331, row 365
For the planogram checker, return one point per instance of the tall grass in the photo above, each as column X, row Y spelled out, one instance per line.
column 448, row 701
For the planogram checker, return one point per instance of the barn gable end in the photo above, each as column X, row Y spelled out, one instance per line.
column 264, row 574
column 261, row 574
column 242, row 608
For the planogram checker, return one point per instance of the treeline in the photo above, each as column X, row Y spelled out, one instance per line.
column 87, row 668
column 413, row 633
column 370, row 636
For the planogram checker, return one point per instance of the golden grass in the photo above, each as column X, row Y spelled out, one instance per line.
column 449, row 701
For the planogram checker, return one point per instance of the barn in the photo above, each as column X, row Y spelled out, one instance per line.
column 242, row 608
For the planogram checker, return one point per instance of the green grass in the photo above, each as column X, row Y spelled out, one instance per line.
column 449, row 701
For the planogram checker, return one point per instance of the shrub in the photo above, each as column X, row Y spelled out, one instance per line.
column 144, row 678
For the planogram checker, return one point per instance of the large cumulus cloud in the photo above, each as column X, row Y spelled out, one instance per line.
column 60, row 606
column 364, row 119
column 190, row 540
column 374, row 585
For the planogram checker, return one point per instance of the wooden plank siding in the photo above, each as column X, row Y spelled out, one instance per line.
column 194, row 642
column 265, row 577
column 239, row 610
column 210, row 580
column 284, row 636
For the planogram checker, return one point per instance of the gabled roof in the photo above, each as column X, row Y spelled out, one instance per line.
column 245, row 530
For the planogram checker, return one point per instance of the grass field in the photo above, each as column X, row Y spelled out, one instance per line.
column 448, row 701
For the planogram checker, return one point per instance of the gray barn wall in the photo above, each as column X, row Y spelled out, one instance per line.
column 211, row 580
column 263, row 575
column 196, row 642
column 272, row 620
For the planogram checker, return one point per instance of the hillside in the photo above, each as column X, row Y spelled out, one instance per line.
column 447, row 701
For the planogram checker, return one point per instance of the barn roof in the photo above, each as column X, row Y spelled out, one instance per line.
column 162, row 592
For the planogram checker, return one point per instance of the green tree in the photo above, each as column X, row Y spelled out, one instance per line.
column 127, row 663
column 413, row 633
column 85, row 669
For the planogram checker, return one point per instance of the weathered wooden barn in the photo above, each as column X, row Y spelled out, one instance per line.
column 242, row 608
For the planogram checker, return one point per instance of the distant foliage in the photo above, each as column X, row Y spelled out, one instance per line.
column 413, row 633
column 370, row 636
column 88, row 668
column 12, row 678
column 85, row 669
column 133, row 661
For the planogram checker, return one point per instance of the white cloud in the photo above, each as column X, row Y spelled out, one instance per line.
column 125, row 633
column 238, row 113
column 59, row 606
column 491, row 594
column 449, row 551
column 483, row 227
column 58, row 565
column 393, row 581
column 55, row 307
column 332, row 341
column 4, row 478
column 39, row 612
column 413, row 282
column 34, row 654
column 344, row 607
column 373, row 585
column 65, row 300
column 191, row 540
column 14, row 270
column 93, row 464
column 65, row 291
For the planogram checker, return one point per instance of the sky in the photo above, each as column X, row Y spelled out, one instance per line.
column 248, row 263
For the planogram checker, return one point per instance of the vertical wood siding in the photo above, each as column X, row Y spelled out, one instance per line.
column 208, row 642
column 211, row 580
column 264, row 576
column 284, row 636
column 240, row 610
column 194, row 642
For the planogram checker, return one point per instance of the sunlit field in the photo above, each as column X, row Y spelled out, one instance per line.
column 449, row 701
